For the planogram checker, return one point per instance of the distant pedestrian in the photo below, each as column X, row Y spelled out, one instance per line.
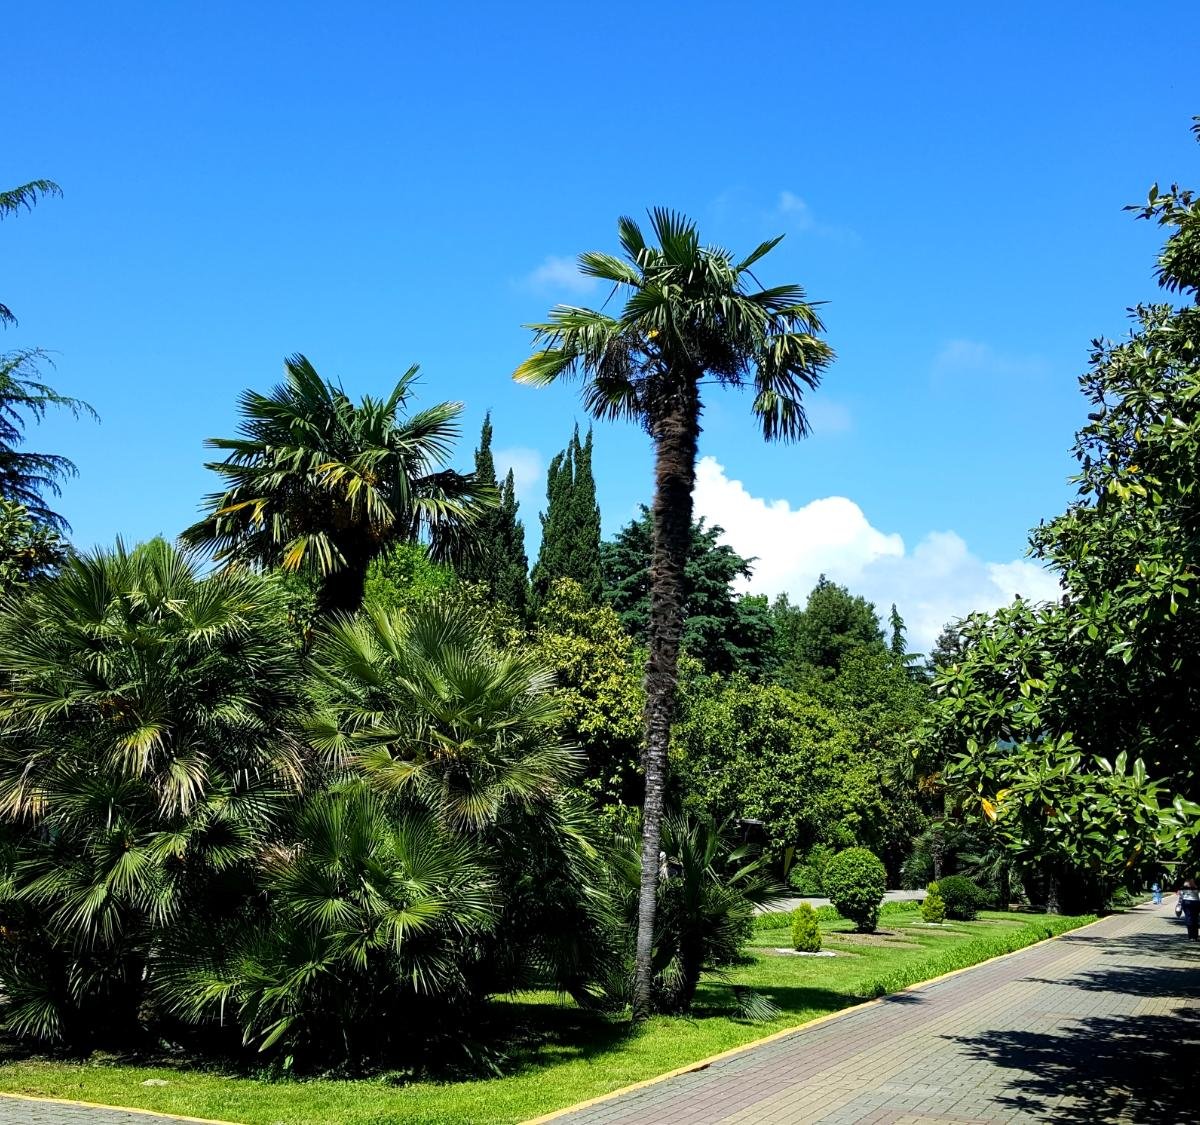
column 1189, row 899
column 1156, row 891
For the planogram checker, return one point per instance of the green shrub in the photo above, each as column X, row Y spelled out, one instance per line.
column 807, row 876
column 933, row 907
column 806, row 933
column 962, row 897
column 855, row 881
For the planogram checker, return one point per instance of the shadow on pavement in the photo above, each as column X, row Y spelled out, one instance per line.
column 1138, row 1068
column 1135, row 1068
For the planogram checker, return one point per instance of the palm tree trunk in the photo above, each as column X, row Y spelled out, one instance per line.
column 342, row 591
column 675, row 431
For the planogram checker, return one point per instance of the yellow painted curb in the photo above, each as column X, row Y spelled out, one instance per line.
column 688, row 1068
column 117, row 1109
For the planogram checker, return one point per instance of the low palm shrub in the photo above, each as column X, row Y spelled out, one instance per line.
column 146, row 754
column 856, row 881
column 361, row 952
column 806, row 932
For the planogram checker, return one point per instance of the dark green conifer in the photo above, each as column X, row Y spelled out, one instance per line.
column 498, row 560
column 571, row 523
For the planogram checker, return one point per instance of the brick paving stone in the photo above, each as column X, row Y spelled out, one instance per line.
column 1094, row 1027
column 20, row 1111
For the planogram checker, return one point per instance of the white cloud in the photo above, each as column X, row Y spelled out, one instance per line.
column 970, row 357
column 796, row 209
column 528, row 470
column 938, row 580
column 800, row 218
column 560, row 274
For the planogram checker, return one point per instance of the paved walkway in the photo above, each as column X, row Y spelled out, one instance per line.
column 1102, row 1025
column 20, row 1111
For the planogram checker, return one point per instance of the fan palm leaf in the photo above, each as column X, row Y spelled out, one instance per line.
column 317, row 483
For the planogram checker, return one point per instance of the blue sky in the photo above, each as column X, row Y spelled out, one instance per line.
column 381, row 184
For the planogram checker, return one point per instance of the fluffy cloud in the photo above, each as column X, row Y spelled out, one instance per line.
column 939, row 579
column 796, row 209
column 528, row 470
column 558, row 275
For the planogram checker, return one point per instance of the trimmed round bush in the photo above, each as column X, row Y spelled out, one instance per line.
column 855, row 881
column 806, row 933
column 962, row 896
column 933, row 906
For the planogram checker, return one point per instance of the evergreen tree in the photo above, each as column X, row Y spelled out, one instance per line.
column 899, row 645
column 571, row 523
column 832, row 625
column 497, row 558
column 723, row 630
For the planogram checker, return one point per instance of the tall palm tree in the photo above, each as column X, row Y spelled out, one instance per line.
column 319, row 484
column 693, row 315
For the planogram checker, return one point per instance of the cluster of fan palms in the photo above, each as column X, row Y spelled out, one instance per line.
column 202, row 824
column 332, row 855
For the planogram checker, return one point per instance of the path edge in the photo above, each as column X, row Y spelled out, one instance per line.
column 829, row 1017
column 117, row 1109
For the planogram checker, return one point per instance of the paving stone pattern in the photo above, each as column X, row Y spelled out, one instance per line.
column 18, row 1110
column 1098, row 1026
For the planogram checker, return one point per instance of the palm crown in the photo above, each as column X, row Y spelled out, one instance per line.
column 320, row 484
column 691, row 311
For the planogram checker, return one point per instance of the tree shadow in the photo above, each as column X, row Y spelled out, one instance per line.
column 1137, row 1068
column 1131, row 1068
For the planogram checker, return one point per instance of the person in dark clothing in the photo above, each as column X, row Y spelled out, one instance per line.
column 1189, row 899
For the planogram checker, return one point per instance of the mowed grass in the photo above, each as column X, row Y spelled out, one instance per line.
column 558, row 1054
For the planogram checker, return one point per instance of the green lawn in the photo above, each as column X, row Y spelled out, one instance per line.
column 560, row 1055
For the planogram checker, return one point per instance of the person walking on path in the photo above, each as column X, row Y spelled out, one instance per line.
column 1189, row 899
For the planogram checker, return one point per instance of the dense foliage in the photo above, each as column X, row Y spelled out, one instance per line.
column 856, row 881
column 321, row 803
column 1069, row 726
column 724, row 630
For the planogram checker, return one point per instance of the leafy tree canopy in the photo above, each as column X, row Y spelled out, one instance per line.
column 1057, row 715
column 815, row 640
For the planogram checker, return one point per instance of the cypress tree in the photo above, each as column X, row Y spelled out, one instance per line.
column 571, row 523
column 899, row 645
column 498, row 561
